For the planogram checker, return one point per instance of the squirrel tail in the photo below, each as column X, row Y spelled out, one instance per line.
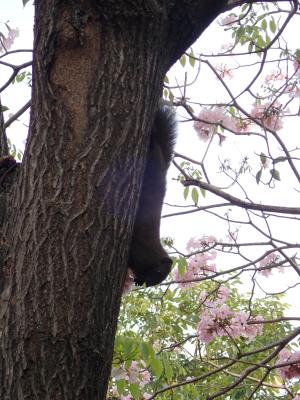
column 164, row 132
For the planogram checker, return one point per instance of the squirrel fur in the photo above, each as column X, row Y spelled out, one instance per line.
column 148, row 260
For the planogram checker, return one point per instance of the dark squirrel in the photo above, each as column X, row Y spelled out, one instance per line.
column 148, row 260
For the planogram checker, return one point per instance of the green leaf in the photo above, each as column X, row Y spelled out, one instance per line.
column 275, row 174
column 260, row 42
column 183, row 60
column 264, row 24
column 181, row 266
column 186, row 192
column 258, row 176
column 127, row 347
column 166, row 80
column 121, row 386
column 203, row 192
column 135, row 390
column 273, row 26
column 232, row 110
column 147, row 351
column 240, row 32
column 157, row 367
column 195, row 195
column 144, row 350
column 166, row 93
column 4, row 108
column 279, row 159
column 239, row 394
column 25, row 2
column 168, row 369
column 192, row 60
column 263, row 158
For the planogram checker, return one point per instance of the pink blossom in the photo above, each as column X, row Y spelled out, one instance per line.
column 243, row 125
column 202, row 261
column 138, row 375
column 226, row 46
column 268, row 260
column 146, row 396
column 229, row 19
column 127, row 397
column 210, row 118
column 204, row 299
column 274, row 76
column 196, row 244
column 269, row 115
column 133, row 372
column 293, row 90
column 198, row 265
column 296, row 65
column 289, row 371
column 297, row 397
column 222, row 321
column 224, row 71
column 8, row 41
column 145, row 378
column 222, row 294
column 232, row 236
column 252, row 330
column 220, row 297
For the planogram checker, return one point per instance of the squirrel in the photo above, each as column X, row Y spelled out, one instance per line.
column 148, row 260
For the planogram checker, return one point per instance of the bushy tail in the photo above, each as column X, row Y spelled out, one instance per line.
column 164, row 132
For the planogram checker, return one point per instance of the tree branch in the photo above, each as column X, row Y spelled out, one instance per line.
column 238, row 202
column 17, row 114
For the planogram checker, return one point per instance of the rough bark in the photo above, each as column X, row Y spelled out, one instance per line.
column 97, row 76
column 3, row 139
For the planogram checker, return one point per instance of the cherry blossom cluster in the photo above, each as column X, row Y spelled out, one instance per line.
column 296, row 66
column 220, row 296
column 200, row 264
column 268, row 261
column 293, row 89
column 218, row 319
column 137, row 373
column 269, row 115
column 6, row 41
column 229, row 19
column 210, row 119
column 224, row 71
column 289, row 371
column 222, row 321
column 273, row 76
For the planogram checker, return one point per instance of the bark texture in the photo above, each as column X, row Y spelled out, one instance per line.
column 97, row 76
column 3, row 139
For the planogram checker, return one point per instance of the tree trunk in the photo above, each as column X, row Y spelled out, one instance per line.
column 97, row 76
column 3, row 139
